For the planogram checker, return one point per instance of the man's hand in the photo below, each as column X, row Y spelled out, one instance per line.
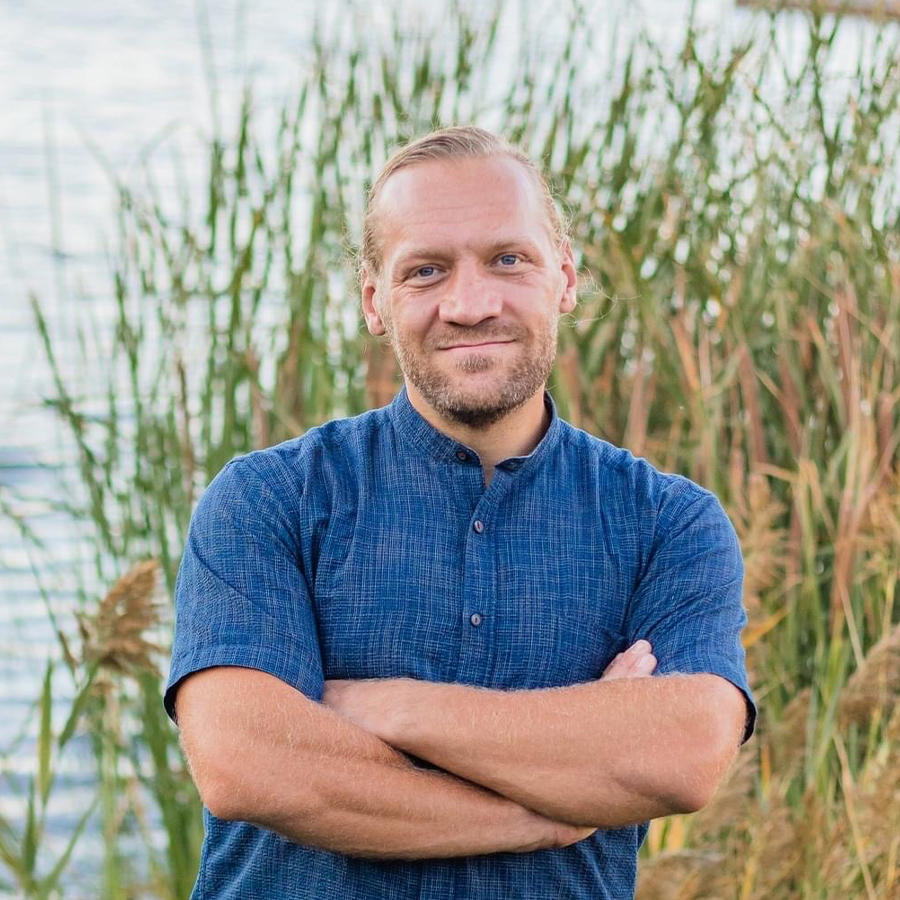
column 635, row 662
column 376, row 704
column 370, row 703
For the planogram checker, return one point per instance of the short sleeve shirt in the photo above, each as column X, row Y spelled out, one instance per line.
column 370, row 548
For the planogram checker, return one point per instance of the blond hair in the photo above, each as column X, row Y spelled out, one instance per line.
column 455, row 142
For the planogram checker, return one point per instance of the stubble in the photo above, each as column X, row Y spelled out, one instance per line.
column 473, row 406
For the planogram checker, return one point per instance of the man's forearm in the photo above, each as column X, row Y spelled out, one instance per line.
column 386, row 810
column 261, row 752
column 605, row 754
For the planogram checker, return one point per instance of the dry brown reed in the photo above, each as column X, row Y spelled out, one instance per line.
column 782, row 838
column 788, row 737
column 676, row 875
column 874, row 799
column 758, row 516
column 382, row 374
column 115, row 634
column 875, row 684
column 570, row 370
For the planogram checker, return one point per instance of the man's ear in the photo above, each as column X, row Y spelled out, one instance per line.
column 569, row 273
column 369, row 293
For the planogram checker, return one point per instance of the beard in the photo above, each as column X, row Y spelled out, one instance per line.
column 478, row 407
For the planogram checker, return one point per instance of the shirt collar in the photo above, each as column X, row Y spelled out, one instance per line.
column 419, row 435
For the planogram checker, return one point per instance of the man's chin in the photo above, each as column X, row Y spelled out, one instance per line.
column 475, row 409
column 475, row 418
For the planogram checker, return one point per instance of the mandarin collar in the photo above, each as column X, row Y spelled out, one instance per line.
column 419, row 435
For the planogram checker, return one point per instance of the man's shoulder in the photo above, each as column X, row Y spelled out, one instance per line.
column 636, row 496
column 618, row 468
column 311, row 468
column 329, row 445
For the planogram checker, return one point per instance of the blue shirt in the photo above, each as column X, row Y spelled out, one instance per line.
column 370, row 548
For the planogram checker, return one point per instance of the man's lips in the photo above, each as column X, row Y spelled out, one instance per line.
column 471, row 346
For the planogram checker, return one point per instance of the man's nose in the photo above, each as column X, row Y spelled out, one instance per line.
column 470, row 296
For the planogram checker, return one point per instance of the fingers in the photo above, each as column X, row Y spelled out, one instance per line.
column 620, row 667
column 644, row 665
column 635, row 662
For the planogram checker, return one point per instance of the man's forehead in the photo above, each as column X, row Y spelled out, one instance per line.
column 438, row 181
column 479, row 202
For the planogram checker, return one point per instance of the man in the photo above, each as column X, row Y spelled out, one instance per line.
column 401, row 641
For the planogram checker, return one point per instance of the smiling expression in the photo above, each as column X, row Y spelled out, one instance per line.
column 471, row 286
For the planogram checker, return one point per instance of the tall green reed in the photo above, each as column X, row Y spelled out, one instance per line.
column 30, row 876
column 735, row 217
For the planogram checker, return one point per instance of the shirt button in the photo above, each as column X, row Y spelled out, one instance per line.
column 478, row 526
column 475, row 619
column 462, row 455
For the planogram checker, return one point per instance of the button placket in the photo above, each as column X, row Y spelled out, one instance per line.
column 478, row 653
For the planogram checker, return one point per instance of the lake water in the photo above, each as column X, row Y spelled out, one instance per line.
column 85, row 89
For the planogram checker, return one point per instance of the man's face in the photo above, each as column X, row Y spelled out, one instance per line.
column 468, row 257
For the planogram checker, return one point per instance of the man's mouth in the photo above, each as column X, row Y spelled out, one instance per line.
column 472, row 346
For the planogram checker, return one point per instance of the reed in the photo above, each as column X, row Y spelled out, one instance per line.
column 736, row 220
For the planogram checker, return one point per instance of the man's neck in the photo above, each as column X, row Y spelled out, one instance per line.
column 516, row 435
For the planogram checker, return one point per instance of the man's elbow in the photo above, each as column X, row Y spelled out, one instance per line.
column 711, row 756
column 682, row 770
column 693, row 798
column 688, row 788
column 251, row 790
column 222, row 801
column 214, row 784
column 233, row 724
column 238, row 795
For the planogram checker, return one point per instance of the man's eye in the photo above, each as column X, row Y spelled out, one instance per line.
column 424, row 271
column 509, row 259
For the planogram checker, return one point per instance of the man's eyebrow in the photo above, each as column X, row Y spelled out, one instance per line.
column 440, row 254
column 513, row 240
column 430, row 253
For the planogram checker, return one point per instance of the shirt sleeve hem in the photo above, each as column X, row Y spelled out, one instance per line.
column 281, row 664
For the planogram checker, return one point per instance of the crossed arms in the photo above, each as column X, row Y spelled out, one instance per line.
column 523, row 770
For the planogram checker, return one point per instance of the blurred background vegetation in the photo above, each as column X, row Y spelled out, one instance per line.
column 737, row 235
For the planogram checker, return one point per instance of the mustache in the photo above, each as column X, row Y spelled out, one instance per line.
column 453, row 341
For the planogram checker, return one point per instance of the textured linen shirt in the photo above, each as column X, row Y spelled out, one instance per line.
column 370, row 548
